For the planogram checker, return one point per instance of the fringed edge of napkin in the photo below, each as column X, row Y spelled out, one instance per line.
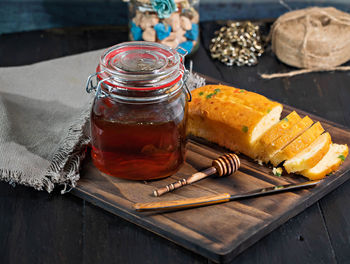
column 194, row 81
column 14, row 177
column 65, row 164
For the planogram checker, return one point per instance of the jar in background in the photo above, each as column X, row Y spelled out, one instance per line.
column 174, row 23
column 139, row 114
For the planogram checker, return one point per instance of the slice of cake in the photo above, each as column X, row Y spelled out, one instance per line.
column 310, row 156
column 299, row 144
column 288, row 136
column 275, row 132
column 329, row 163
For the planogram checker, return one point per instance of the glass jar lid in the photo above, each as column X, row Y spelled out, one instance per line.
column 140, row 65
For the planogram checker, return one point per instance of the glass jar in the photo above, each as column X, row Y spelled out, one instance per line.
column 139, row 114
column 174, row 23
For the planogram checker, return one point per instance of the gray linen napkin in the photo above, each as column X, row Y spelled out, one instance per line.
column 44, row 113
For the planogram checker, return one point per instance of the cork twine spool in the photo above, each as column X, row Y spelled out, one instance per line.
column 315, row 39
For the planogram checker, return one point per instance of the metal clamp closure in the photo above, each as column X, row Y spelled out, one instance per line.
column 186, row 75
column 89, row 83
column 98, row 87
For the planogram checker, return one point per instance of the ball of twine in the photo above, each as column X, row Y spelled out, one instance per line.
column 314, row 39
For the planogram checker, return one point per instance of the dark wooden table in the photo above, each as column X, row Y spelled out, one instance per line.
column 36, row 227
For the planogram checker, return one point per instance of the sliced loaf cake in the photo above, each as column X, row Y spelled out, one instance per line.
column 249, row 123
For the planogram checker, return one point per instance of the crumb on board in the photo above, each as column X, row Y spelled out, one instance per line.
column 277, row 171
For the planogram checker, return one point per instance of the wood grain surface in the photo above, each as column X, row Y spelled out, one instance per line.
column 219, row 232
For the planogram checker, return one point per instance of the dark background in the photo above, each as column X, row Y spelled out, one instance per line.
column 36, row 227
column 24, row 15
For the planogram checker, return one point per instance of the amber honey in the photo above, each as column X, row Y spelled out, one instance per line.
column 137, row 150
column 138, row 118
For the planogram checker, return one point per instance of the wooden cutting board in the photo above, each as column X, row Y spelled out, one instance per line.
column 222, row 231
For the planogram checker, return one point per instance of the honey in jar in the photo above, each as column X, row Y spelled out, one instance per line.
column 139, row 114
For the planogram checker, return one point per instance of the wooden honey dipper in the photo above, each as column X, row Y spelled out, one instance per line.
column 222, row 166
